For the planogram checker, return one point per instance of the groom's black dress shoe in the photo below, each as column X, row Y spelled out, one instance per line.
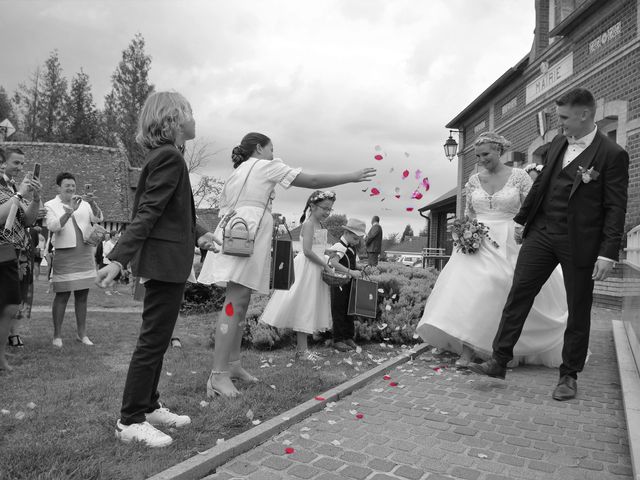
column 490, row 368
column 566, row 389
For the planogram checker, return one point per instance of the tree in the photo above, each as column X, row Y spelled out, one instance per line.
column 197, row 154
column 425, row 231
column 6, row 107
column 81, row 112
column 334, row 224
column 27, row 99
column 51, row 112
column 130, row 89
column 207, row 192
column 408, row 232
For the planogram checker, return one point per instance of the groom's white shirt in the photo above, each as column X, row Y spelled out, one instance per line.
column 577, row 146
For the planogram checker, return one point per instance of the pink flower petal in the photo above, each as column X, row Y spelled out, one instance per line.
column 320, row 399
column 228, row 309
column 289, row 450
column 378, row 157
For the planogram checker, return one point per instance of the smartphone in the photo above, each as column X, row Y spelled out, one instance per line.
column 87, row 187
column 36, row 171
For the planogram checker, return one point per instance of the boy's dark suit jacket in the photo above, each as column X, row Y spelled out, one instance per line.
column 162, row 235
column 596, row 210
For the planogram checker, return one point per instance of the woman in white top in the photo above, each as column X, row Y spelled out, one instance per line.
column 242, row 276
column 70, row 218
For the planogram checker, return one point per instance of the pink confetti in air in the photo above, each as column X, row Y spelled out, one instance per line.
column 320, row 399
column 425, row 183
column 405, row 174
column 387, row 377
column 397, row 196
column 359, row 415
column 289, row 450
column 418, row 174
column 417, row 195
column 378, row 157
column 377, row 148
column 228, row 309
column 375, row 191
column 406, row 154
column 393, row 384
column 409, row 209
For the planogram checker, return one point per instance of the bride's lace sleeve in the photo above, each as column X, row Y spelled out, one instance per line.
column 523, row 183
column 468, row 206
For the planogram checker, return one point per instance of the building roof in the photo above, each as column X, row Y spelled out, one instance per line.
column 107, row 170
column 441, row 201
column 208, row 218
column 410, row 245
column 506, row 78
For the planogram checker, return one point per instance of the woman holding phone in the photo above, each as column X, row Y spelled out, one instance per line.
column 70, row 218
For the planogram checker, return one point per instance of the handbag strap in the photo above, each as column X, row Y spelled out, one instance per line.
column 266, row 205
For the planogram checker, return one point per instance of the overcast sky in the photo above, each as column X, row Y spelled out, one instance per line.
column 327, row 80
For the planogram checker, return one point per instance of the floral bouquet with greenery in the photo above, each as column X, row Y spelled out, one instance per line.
column 468, row 235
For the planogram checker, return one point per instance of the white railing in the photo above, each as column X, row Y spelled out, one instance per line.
column 633, row 246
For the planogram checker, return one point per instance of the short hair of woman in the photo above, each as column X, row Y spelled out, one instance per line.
column 160, row 119
column 247, row 147
column 497, row 142
column 64, row 176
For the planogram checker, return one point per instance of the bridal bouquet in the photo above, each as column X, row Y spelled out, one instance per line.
column 468, row 235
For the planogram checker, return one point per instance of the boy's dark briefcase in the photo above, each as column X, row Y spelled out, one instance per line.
column 363, row 299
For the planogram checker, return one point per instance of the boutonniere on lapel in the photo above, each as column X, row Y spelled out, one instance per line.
column 588, row 175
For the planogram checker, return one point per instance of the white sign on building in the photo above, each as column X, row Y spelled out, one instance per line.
column 551, row 76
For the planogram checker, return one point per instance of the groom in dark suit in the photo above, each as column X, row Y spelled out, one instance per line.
column 574, row 215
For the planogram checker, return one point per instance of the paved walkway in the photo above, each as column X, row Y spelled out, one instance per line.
column 441, row 424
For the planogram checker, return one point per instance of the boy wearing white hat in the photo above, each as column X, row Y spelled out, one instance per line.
column 344, row 261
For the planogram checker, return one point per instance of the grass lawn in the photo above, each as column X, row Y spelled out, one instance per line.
column 69, row 433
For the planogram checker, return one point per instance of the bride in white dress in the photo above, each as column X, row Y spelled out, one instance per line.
column 463, row 312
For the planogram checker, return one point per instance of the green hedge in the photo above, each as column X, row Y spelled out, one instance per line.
column 400, row 306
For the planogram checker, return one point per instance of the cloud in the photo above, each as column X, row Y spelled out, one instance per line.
column 326, row 80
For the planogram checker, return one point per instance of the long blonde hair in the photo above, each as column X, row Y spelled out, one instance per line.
column 160, row 118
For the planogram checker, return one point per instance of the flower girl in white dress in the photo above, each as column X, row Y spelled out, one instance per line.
column 463, row 311
column 306, row 307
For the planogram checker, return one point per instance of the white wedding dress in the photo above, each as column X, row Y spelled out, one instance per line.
column 466, row 303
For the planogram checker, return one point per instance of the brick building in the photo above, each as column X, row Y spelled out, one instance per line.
column 107, row 170
column 593, row 44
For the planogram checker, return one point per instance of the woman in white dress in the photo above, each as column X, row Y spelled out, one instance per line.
column 250, row 195
column 463, row 311
column 306, row 307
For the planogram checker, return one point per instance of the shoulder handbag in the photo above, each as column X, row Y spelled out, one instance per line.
column 237, row 240
column 95, row 236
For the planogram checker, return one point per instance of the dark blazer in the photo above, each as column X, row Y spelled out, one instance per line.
column 373, row 241
column 596, row 210
column 162, row 235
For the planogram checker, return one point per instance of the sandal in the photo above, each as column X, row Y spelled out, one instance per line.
column 175, row 342
column 15, row 341
column 214, row 388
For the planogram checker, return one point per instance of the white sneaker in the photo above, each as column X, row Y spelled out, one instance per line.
column 163, row 417
column 142, row 432
column 57, row 342
column 85, row 340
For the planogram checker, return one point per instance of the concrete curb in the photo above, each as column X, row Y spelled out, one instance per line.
column 630, row 383
column 204, row 464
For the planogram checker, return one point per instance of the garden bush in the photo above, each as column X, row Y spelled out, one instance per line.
column 402, row 295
